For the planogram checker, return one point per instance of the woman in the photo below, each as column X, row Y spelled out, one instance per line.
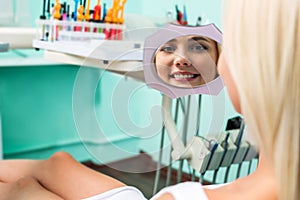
column 262, row 50
column 187, row 61
column 263, row 55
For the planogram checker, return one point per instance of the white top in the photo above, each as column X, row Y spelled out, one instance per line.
column 181, row 191
column 122, row 193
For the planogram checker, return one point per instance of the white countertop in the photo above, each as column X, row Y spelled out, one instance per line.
column 23, row 58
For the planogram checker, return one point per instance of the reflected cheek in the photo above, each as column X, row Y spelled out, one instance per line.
column 207, row 69
column 163, row 67
column 163, row 60
column 209, row 65
column 198, row 64
column 163, row 72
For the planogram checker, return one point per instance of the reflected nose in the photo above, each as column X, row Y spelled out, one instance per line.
column 181, row 61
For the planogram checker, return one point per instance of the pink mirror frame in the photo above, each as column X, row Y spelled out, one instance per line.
column 170, row 31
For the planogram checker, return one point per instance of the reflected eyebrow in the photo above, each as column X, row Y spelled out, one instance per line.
column 198, row 38
column 173, row 40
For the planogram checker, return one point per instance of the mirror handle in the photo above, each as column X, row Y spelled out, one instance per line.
column 179, row 150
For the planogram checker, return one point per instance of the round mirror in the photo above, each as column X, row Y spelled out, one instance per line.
column 182, row 60
column 187, row 61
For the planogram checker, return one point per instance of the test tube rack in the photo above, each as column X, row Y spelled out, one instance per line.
column 93, row 40
column 55, row 30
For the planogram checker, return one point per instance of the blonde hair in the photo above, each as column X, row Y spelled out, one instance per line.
column 262, row 47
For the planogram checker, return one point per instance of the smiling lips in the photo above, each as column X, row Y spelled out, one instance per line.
column 184, row 76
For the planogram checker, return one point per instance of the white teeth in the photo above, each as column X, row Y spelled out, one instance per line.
column 183, row 76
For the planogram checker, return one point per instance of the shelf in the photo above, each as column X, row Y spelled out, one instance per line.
column 128, row 68
column 24, row 58
column 17, row 37
column 121, row 57
column 99, row 45
column 96, row 49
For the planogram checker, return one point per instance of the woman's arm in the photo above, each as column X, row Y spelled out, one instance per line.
column 27, row 188
column 60, row 174
column 165, row 196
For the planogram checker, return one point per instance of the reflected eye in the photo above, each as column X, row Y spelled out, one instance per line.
column 168, row 49
column 198, row 48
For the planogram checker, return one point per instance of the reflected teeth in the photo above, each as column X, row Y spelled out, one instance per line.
column 183, row 76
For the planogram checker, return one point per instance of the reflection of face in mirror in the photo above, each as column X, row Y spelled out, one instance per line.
column 187, row 61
